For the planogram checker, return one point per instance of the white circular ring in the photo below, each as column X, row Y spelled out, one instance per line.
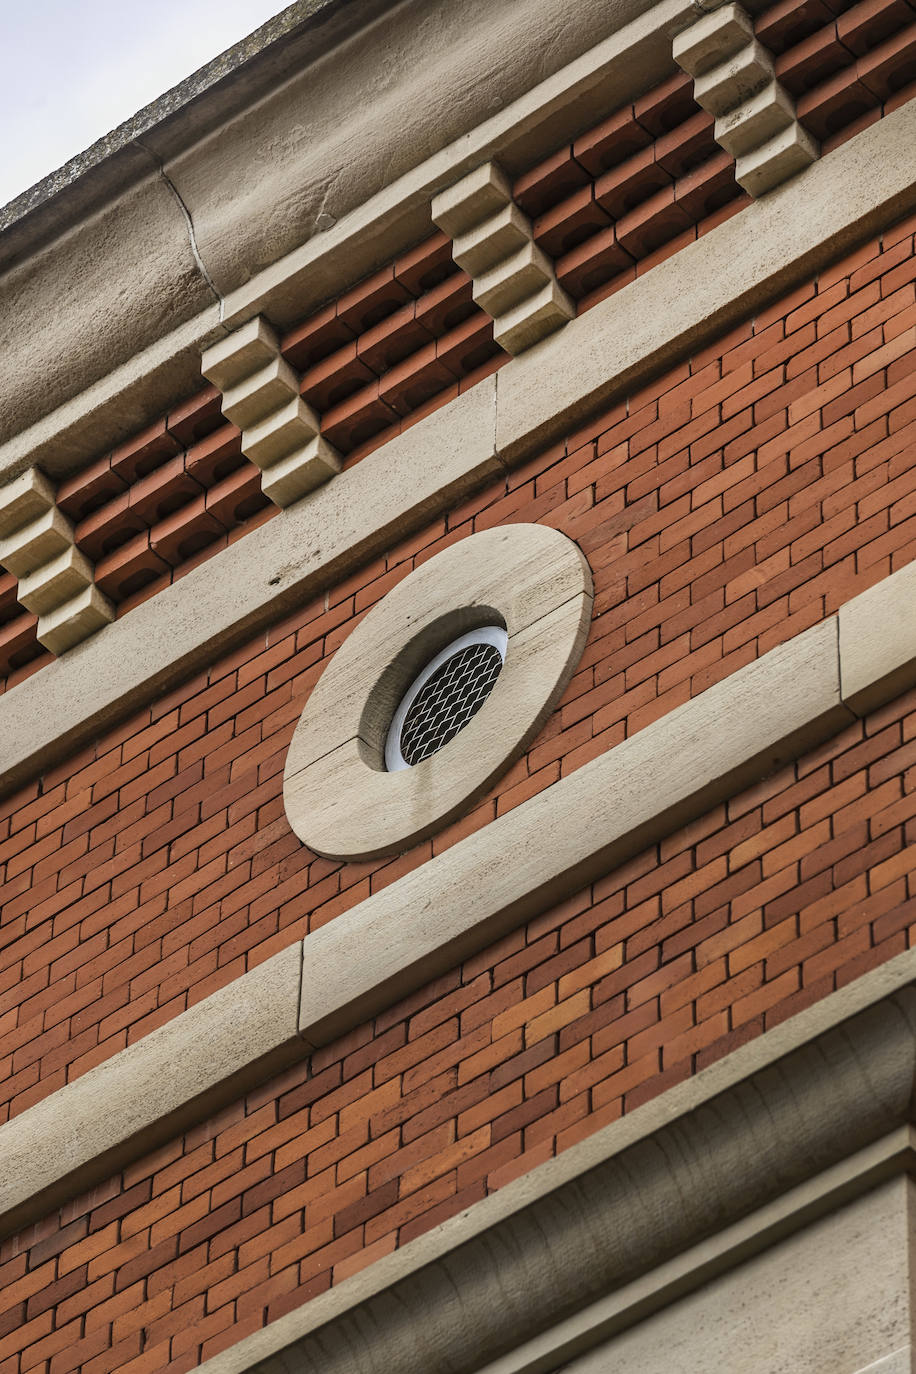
column 529, row 581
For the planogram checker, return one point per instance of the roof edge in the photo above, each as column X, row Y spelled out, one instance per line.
column 177, row 119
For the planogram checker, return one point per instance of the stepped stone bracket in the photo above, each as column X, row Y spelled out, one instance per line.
column 734, row 79
column 261, row 395
column 56, row 580
column 493, row 242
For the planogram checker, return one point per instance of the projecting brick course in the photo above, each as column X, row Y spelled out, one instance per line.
column 724, row 508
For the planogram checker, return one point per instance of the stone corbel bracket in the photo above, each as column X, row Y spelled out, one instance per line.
column 493, row 242
column 56, row 580
column 755, row 116
column 261, row 395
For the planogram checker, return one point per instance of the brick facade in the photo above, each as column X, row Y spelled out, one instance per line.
column 795, row 887
column 739, row 493
column 724, row 508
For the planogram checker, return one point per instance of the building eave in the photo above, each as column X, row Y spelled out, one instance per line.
column 175, row 120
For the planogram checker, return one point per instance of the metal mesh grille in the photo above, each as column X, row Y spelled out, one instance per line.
column 454, row 694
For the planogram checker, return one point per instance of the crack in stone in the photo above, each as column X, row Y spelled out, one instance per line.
column 192, row 238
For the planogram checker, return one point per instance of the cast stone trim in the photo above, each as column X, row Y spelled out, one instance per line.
column 261, row 396
column 294, row 162
column 878, row 641
column 733, row 78
column 339, row 798
column 775, row 1291
column 493, row 241
column 397, row 939
column 678, row 307
column 56, row 580
column 137, row 1099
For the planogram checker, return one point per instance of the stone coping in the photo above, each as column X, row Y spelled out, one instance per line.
column 343, row 191
column 197, row 101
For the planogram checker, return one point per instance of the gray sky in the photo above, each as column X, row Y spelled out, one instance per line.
column 71, row 70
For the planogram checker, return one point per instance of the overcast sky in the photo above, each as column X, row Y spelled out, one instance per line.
column 71, row 70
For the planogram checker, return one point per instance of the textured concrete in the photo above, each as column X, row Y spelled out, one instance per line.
column 106, row 407
column 93, row 298
column 55, row 201
column 788, row 1130
column 146, row 1093
column 632, row 58
column 261, row 395
column 878, row 641
column 23, row 500
column 755, row 117
column 586, row 824
column 68, row 624
column 55, row 578
column 426, row 73
column 902, row 1361
column 531, row 580
column 493, row 242
column 117, row 406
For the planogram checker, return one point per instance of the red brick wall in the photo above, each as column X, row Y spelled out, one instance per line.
column 793, row 888
column 726, row 507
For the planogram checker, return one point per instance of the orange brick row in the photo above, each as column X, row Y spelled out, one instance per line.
column 404, row 341
column 847, row 66
column 631, row 191
column 736, row 501
column 757, row 910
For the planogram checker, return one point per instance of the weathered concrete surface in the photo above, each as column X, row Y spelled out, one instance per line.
column 93, row 297
column 231, row 80
column 373, row 98
column 878, row 641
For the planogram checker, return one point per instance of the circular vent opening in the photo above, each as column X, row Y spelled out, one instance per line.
column 445, row 696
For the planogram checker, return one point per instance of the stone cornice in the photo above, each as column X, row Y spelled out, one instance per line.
column 174, row 120
column 346, row 187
